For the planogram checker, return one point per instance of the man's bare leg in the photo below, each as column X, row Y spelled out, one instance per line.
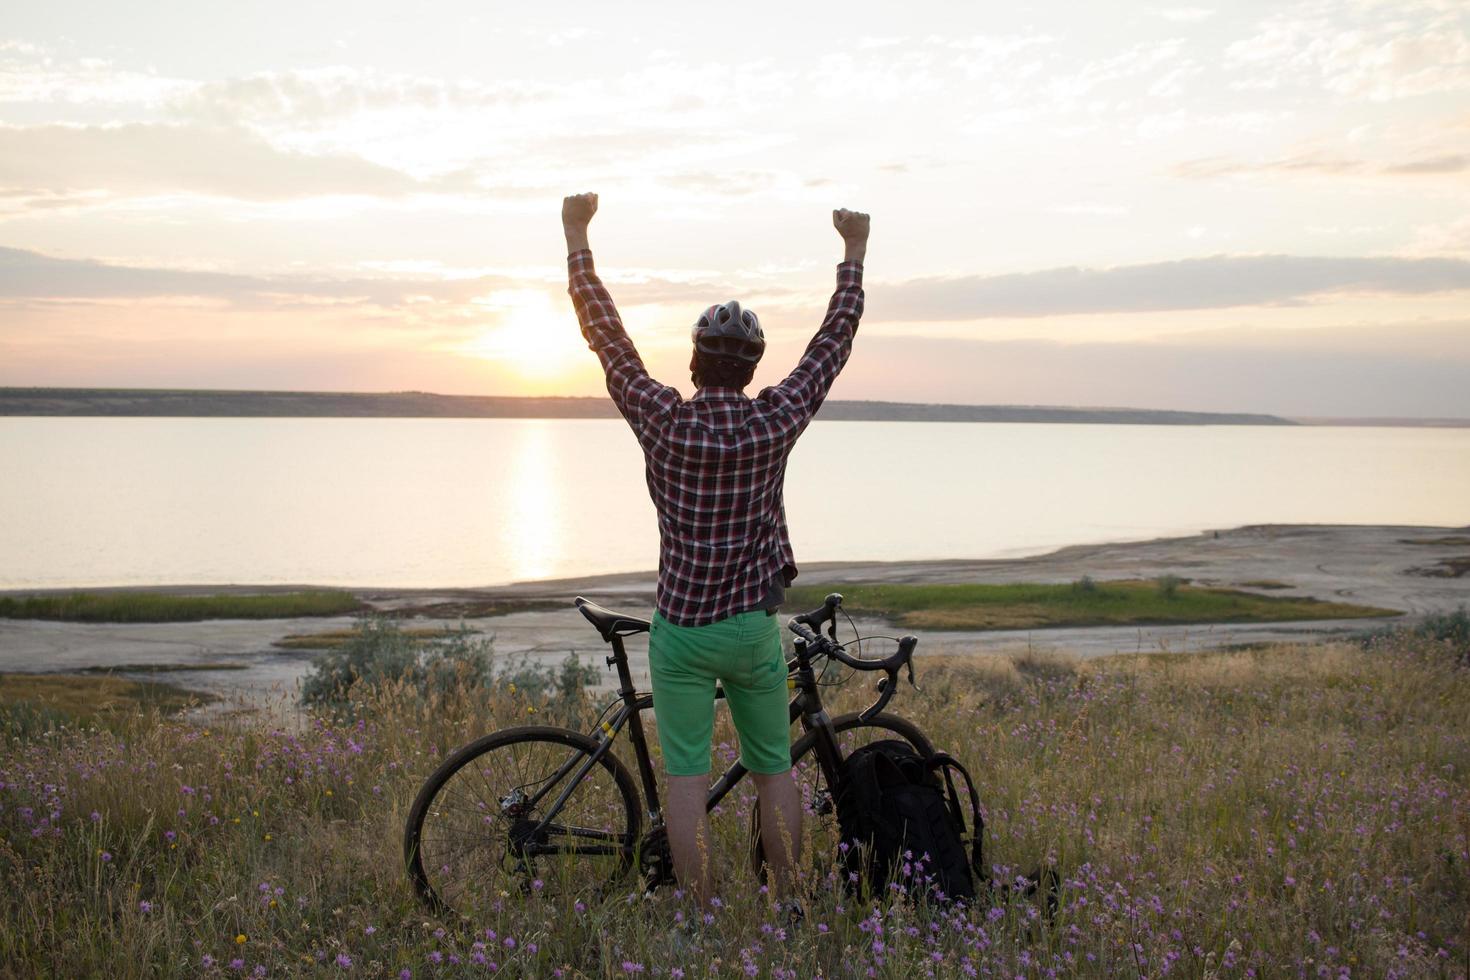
column 780, row 805
column 689, row 835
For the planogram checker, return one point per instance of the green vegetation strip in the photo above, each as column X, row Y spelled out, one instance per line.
column 154, row 607
column 1083, row 603
column 165, row 668
column 32, row 703
column 335, row 639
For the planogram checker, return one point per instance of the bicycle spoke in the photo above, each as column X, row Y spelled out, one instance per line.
column 480, row 837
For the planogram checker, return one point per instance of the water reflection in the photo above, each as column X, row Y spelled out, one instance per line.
column 532, row 534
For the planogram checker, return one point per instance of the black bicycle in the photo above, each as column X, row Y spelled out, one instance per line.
column 543, row 810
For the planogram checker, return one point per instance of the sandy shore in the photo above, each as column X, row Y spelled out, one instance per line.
column 1392, row 567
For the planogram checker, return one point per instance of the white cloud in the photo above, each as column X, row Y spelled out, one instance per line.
column 305, row 97
column 1143, row 58
column 30, row 73
column 1415, row 52
column 1186, row 15
column 1316, row 163
column 140, row 158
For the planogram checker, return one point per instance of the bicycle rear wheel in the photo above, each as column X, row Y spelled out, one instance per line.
column 521, row 811
column 820, row 833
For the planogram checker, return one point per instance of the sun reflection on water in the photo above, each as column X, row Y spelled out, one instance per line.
column 533, row 530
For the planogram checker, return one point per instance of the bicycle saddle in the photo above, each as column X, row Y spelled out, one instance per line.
column 609, row 623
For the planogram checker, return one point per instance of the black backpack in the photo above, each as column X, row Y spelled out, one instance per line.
column 902, row 821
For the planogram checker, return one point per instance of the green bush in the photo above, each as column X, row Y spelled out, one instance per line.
column 380, row 655
column 1452, row 628
column 1168, row 585
column 1085, row 585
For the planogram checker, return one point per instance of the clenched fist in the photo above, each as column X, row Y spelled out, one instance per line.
column 853, row 227
column 577, row 210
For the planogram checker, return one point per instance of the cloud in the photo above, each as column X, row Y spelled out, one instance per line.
column 1186, row 15
column 1400, row 369
column 1319, row 164
column 25, row 274
column 1450, row 237
column 1150, row 58
column 143, row 158
column 1450, row 163
column 1355, row 53
column 1205, row 283
column 317, row 95
column 1214, row 282
column 32, row 276
column 30, row 73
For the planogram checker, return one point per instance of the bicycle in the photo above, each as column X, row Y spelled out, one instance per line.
column 537, row 810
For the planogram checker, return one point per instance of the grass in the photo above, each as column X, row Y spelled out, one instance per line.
column 166, row 668
column 31, row 703
column 336, row 639
column 1273, row 812
column 480, row 608
column 154, row 607
column 1084, row 603
column 1265, row 583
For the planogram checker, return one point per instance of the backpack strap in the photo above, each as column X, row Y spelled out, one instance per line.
column 946, row 763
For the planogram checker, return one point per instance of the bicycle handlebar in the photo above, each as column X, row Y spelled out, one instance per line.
column 806, row 627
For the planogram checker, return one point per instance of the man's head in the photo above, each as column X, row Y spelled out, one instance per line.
column 728, row 343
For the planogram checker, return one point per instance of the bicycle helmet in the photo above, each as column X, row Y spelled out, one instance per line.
column 726, row 330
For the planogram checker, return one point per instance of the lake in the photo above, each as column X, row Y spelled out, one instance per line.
column 467, row 502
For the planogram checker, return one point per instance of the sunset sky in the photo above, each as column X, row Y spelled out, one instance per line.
column 1245, row 206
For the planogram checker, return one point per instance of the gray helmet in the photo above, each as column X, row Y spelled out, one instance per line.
column 730, row 331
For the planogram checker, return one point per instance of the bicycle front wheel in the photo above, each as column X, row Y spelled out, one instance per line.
column 522, row 811
column 820, row 833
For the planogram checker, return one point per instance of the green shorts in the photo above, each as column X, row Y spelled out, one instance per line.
column 742, row 652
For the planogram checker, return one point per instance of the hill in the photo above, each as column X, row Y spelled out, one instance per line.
column 419, row 404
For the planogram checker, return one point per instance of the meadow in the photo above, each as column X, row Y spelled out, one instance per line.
column 1281, row 811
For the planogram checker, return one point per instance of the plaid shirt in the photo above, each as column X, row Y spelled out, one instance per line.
column 715, row 464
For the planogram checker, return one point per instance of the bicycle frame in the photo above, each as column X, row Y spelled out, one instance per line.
column 806, row 707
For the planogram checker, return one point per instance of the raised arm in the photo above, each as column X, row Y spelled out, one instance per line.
column 804, row 389
column 638, row 397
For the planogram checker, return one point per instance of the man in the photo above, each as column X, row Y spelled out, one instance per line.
column 715, row 465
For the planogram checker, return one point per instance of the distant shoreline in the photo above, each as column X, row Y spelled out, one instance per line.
column 176, row 403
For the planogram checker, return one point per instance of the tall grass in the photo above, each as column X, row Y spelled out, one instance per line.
column 153, row 607
column 1291, row 811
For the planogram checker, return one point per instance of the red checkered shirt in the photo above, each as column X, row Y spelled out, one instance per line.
column 715, row 463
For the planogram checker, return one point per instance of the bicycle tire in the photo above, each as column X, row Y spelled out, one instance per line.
column 820, row 826
column 441, row 822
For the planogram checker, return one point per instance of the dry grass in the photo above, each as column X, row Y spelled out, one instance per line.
column 1282, row 811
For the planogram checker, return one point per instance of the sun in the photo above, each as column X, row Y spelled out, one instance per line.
column 530, row 336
